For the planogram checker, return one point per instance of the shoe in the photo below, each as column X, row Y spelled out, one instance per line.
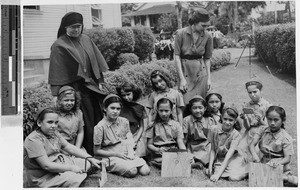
column 197, row 165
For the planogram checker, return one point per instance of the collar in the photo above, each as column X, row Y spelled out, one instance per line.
column 167, row 123
column 260, row 102
column 190, row 31
column 276, row 134
column 109, row 123
column 217, row 114
column 220, row 131
column 193, row 119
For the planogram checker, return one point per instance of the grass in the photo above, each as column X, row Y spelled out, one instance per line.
column 278, row 89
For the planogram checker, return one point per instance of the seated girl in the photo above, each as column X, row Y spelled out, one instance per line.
column 45, row 165
column 214, row 106
column 275, row 143
column 196, row 128
column 113, row 140
column 224, row 139
column 163, row 133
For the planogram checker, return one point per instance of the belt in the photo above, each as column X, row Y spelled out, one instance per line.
column 191, row 57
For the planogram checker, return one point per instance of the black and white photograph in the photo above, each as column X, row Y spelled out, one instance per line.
column 149, row 94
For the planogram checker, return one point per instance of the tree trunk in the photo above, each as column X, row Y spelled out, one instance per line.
column 289, row 11
column 235, row 15
column 179, row 14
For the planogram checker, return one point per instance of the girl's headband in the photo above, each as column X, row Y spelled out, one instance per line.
column 233, row 108
column 110, row 96
column 197, row 97
column 65, row 88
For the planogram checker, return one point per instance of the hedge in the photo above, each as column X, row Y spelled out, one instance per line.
column 139, row 74
column 144, row 42
column 276, row 45
column 129, row 58
column 114, row 41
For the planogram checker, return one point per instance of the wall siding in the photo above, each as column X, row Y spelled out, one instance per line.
column 40, row 29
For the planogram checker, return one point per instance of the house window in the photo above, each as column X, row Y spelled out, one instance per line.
column 96, row 15
column 32, row 7
column 34, row 10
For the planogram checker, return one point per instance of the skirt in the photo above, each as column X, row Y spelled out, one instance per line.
column 196, row 77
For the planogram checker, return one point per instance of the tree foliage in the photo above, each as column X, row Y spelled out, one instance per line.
column 127, row 8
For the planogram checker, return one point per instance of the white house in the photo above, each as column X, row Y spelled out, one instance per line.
column 40, row 26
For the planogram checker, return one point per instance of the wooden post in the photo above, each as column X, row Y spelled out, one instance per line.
column 176, row 164
column 263, row 175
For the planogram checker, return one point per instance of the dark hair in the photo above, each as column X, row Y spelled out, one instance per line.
column 129, row 87
column 278, row 110
column 41, row 116
column 163, row 101
column 189, row 106
column 110, row 100
column 200, row 15
column 256, row 83
column 63, row 94
column 162, row 75
column 208, row 112
column 232, row 112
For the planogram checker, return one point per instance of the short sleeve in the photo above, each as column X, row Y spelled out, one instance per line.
column 80, row 116
column 287, row 145
column 149, row 131
column 35, row 148
column 179, row 131
column 98, row 135
column 178, row 43
column 208, row 48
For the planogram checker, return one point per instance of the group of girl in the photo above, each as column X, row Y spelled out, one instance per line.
column 221, row 141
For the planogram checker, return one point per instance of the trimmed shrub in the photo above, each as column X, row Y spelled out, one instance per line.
column 130, row 58
column 144, row 42
column 276, row 45
column 112, row 42
column 219, row 59
column 34, row 99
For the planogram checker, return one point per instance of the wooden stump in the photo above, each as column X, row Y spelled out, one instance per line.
column 263, row 175
column 176, row 164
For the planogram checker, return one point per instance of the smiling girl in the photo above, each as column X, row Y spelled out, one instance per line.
column 196, row 128
column 224, row 139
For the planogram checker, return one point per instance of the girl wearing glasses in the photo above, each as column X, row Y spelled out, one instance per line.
column 193, row 50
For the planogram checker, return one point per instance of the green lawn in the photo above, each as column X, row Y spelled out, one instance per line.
column 228, row 81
